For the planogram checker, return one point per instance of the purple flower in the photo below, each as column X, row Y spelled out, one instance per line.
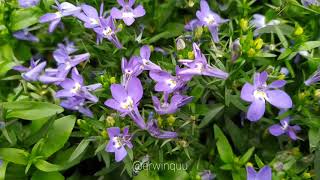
column 192, row 25
column 77, row 104
column 74, row 88
column 118, row 141
column 210, row 19
column 33, row 72
column 260, row 92
column 28, row 3
column 127, row 13
column 25, row 35
column 66, row 62
column 64, row 9
column 314, row 78
column 153, row 129
column 144, row 59
column 199, row 66
column 307, row 3
column 285, row 128
column 107, row 29
column 170, row 108
column 259, row 21
column 166, row 82
column 126, row 100
column 68, row 47
column 207, row 175
column 90, row 16
column 130, row 69
column 264, row 173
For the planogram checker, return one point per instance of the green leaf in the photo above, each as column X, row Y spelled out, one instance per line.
column 17, row 156
column 40, row 175
column 258, row 161
column 79, row 150
column 3, row 169
column 317, row 164
column 245, row 158
column 309, row 45
column 145, row 174
column 223, row 146
column 47, row 167
column 285, row 53
column 23, row 18
column 31, row 110
column 314, row 138
column 58, row 135
column 215, row 109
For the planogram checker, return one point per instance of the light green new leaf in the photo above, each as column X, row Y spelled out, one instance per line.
column 58, row 135
column 245, row 158
column 17, row 156
column 23, row 18
column 47, row 167
column 223, row 146
column 309, row 45
column 31, row 110
column 79, row 150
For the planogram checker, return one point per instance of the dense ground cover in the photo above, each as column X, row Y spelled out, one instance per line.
column 159, row 89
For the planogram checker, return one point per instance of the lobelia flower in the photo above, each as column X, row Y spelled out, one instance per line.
column 68, row 47
column 166, row 82
column 118, row 141
column 90, row 16
column 192, row 25
column 259, row 21
column 126, row 100
column 131, row 68
column 207, row 175
column 260, row 92
column 66, row 63
column 199, row 66
column 33, row 72
column 210, row 19
column 77, row 104
column 127, row 13
column 107, row 29
column 285, row 128
column 153, row 129
column 314, row 78
column 28, row 3
column 176, row 102
column 144, row 59
column 264, row 174
column 64, row 9
column 74, row 88
column 25, row 34
column 308, row 3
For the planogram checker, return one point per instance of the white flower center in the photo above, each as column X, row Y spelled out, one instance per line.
column 209, row 19
column 171, row 83
column 68, row 65
column 260, row 94
column 107, row 31
column 127, row 103
column 58, row 14
column 93, row 21
column 127, row 14
column 199, row 67
column 285, row 126
column 117, row 142
column 76, row 88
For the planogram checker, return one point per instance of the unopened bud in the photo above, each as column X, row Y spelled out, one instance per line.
column 180, row 44
column 258, row 43
column 110, row 121
column 112, row 80
column 198, row 32
column 244, row 24
column 298, row 31
column 171, row 119
column 251, row 52
column 190, row 55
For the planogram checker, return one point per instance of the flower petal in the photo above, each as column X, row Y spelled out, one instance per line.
column 256, row 109
column 120, row 154
column 277, row 84
column 276, row 130
column 247, row 92
column 118, row 92
column 135, row 89
column 279, row 98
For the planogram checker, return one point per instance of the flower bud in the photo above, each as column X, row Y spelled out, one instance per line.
column 251, row 52
column 190, row 55
column 110, row 121
column 317, row 93
column 306, row 175
column 160, row 120
column 112, row 80
column 244, row 24
column 180, row 44
column 151, row 48
column 249, row 164
column 298, row 31
column 171, row 119
column 104, row 134
column 198, row 32
column 190, row 3
column 258, row 43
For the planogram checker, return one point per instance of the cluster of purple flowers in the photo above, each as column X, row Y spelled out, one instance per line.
column 127, row 95
column 103, row 25
column 76, row 94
